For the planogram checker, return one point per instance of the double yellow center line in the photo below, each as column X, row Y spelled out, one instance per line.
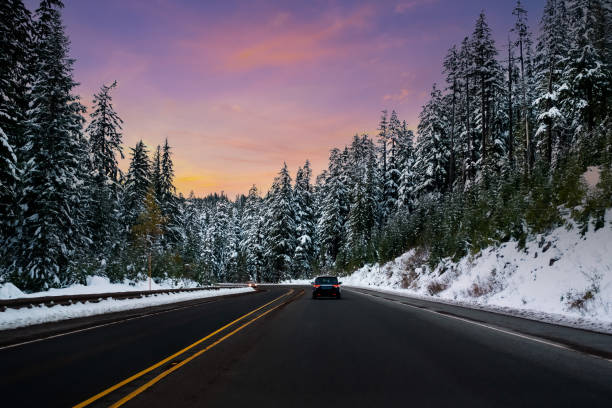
column 182, row 363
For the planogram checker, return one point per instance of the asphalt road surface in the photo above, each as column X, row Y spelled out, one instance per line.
column 281, row 348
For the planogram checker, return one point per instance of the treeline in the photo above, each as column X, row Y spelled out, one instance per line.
column 66, row 209
column 502, row 146
column 500, row 152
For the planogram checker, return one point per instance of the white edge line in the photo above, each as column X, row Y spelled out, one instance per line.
column 523, row 336
column 102, row 325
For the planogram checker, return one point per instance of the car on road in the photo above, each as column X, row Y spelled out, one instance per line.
column 251, row 284
column 326, row 286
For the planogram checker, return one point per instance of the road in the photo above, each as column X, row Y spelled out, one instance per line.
column 287, row 349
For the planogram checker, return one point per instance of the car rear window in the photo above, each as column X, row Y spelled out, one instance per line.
column 326, row 280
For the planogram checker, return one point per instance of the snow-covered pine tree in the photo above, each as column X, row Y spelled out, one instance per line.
column 406, row 160
column 167, row 196
column 220, row 239
column 487, row 73
column 281, row 229
column 467, row 137
column 192, row 245
column 551, row 54
column 383, row 144
column 524, row 44
column 586, row 74
column 453, row 78
column 363, row 207
column 305, row 222
column 54, row 227
column 319, row 194
column 156, row 173
column 511, row 104
column 252, row 242
column 15, row 47
column 105, row 145
column 137, row 184
column 432, row 152
column 392, row 178
column 334, row 210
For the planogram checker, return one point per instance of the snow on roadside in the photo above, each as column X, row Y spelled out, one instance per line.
column 96, row 284
column 559, row 277
column 295, row 282
column 13, row 318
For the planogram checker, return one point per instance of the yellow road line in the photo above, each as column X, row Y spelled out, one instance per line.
column 178, row 353
column 152, row 382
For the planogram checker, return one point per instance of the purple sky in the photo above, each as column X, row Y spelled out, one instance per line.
column 238, row 87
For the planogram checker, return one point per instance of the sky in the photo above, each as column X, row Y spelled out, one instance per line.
column 239, row 87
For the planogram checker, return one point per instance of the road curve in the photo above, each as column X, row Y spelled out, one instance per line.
column 358, row 351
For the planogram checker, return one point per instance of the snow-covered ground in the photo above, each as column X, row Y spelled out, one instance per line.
column 13, row 318
column 295, row 282
column 96, row 284
column 558, row 277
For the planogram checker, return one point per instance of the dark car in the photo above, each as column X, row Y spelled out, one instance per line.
column 326, row 286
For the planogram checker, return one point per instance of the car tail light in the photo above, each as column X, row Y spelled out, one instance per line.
column 316, row 286
column 336, row 286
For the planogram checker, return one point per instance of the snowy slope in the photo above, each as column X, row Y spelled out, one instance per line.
column 560, row 277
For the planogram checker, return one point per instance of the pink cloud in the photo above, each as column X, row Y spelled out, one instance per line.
column 279, row 41
column 398, row 97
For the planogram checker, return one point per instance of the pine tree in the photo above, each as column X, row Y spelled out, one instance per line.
column 334, row 210
column 453, row 77
column 148, row 229
column 105, row 145
column 281, row 226
column 192, row 246
column 137, row 183
column 54, row 225
column 363, row 208
column 305, row 223
column 15, row 41
column 467, row 137
column 393, row 174
column 383, row 142
column 156, row 174
column 407, row 178
column 488, row 77
column 167, row 195
column 586, row 74
column 432, row 153
column 551, row 52
column 252, row 243
column 523, row 42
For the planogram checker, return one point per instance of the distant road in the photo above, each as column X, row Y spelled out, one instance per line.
column 281, row 348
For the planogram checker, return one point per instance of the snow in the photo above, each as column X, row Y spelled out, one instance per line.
column 592, row 176
column 296, row 282
column 558, row 277
column 96, row 284
column 10, row 291
column 13, row 318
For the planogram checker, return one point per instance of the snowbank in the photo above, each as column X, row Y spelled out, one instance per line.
column 10, row 291
column 296, row 282
column 96, row 284
column 559, row 277
column 13, row 318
